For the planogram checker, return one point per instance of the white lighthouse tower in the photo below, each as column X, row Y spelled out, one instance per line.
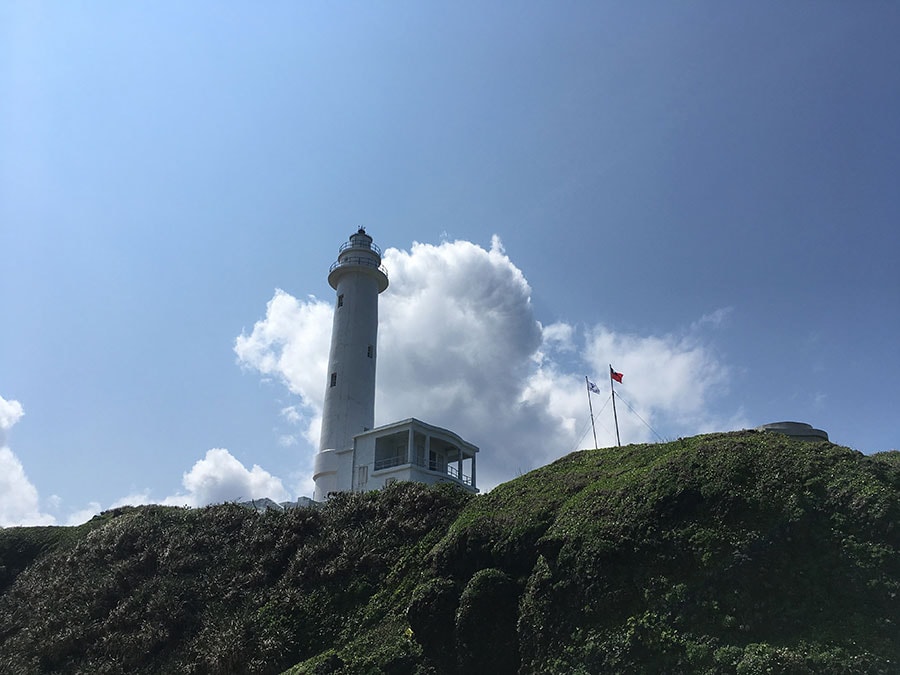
column 353, row 456
column 358, row 277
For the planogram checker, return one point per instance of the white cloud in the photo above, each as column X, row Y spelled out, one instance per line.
column 220, row 477
column 714, row 318
column 669, row 380
column 10, row 413
column 292, row 343
column 19, row 502
column 460, row 347
column 559, row 336
column 457, row 335
column 668, row 373
column 292, row 414
column 134, row 499
column 83, row 515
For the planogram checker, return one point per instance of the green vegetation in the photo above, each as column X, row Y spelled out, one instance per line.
column 734, row 553
column 22, row 546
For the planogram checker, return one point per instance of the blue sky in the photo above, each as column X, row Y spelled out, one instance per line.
column 703, row 194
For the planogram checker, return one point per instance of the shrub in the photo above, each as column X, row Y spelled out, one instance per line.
column 486, row 638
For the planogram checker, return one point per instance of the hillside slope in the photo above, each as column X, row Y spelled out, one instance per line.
column 724, row 553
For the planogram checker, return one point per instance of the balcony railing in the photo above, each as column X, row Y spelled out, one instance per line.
column 454, row 473
column 397, row 460
column 389, row 462
column 352, row 244
column 357, row 260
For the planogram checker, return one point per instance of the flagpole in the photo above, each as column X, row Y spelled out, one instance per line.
column 613, row 395
column 587, row 386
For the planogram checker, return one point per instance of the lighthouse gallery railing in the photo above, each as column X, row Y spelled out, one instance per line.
column 367, row 262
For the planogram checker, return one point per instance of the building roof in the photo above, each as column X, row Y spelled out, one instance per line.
column 424, row 426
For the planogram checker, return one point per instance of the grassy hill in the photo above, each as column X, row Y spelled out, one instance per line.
column 725, row 553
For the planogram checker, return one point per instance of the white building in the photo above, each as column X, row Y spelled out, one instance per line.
column 407, row 450
column 352, row 455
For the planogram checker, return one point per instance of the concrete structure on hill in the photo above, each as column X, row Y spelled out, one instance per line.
column 354, row 456
column 265, row 504
column 798, row 430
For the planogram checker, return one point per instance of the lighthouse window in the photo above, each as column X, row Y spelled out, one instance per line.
column 341, row 300
column 333, row 379
column 371, row 352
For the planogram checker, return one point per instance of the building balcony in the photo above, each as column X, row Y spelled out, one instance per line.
column 414, row 450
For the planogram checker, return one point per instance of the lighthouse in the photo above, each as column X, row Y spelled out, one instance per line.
column 354, row 455
column 349, row 409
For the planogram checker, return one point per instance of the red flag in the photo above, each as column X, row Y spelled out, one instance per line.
column 616, row 376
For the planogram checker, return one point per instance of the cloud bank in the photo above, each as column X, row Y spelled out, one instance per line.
column 19, row 502
column 217, row 477
column 460, row 347
column 220, row 477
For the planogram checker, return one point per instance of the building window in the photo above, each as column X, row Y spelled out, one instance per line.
column 333, row 379
column 371, row 352
column 341, row 300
